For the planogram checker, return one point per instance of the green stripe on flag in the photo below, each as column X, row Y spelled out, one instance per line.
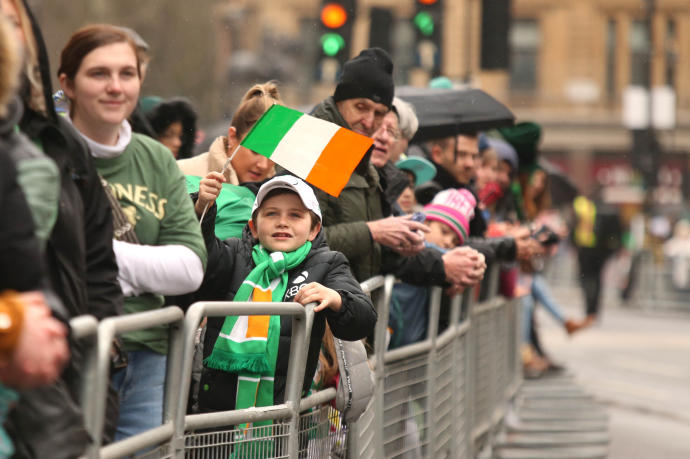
column 267, row 133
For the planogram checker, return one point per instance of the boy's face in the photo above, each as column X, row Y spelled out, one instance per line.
column 283, row 223
column 441, row 235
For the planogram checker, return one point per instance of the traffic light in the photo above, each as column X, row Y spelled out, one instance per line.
column 427, row 25
column 336, row 17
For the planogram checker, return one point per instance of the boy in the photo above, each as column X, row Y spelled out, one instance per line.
column 448, row 218
column 282, row 256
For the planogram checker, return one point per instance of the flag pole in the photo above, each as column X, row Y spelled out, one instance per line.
column 222, row 171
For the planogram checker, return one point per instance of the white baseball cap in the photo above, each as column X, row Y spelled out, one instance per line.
column 292, row 183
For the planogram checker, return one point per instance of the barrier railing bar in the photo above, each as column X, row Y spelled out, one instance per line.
column 107, row 330
column 233, row 417
column 434, row 314
column 316, row 399
column 83, row 326
column 380, row 332
column 86, row 328
column 124, row 448
column 372, row 284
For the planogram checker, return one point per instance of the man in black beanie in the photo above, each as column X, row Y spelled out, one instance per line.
column 364, row 93
column 358, row 223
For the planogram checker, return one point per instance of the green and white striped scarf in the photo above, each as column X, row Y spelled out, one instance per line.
column 248, row 345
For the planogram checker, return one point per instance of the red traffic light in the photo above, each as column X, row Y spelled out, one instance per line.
column 333, row 15
column 427, row 2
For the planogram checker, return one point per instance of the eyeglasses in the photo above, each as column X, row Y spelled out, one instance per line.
column 393, row 133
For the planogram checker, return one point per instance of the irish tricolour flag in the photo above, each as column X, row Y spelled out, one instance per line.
column 322, row 153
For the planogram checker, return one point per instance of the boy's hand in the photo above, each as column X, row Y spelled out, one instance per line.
column 209, row 189
column 315, row 292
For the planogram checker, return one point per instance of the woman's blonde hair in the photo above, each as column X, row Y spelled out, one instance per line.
column 255, row 102
column 328, row 359
column 10, row 64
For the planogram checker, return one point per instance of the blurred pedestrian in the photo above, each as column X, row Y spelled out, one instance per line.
column 596, row 236
column 158, row 246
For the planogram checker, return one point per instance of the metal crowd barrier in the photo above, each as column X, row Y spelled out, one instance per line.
column 444, row 396
column 441, row 397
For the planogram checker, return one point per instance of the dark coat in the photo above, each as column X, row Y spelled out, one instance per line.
column 229, row 264
column 82, row 271
column 21, row 266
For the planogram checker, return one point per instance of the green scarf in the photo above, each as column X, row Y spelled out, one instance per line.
column 248, row 345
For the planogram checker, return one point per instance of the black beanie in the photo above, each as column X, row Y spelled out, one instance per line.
column 369, row 75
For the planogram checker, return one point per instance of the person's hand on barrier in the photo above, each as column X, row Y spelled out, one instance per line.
column 399, row 233
column 528, row 248
column 317, row 293
column 464, row 266
column 455, row 289
column 209, row 189
column 41, row 351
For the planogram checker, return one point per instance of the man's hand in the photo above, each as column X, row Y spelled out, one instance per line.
column 526, row 246
column 41, row 350
column 399, row 233
column 209, row 189
column 464, row 266
column 315, row 292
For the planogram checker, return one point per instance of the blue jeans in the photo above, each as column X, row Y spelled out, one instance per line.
column 539, row 293
column 140, row 386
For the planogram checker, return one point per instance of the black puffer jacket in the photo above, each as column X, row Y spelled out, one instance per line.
column 21, row 267
column 229, row 263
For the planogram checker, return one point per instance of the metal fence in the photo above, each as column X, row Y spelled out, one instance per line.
column 441, row 397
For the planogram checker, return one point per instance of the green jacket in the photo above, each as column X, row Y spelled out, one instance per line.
column 345, row 217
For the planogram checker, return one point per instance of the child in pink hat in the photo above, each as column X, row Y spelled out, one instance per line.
column 448, row 217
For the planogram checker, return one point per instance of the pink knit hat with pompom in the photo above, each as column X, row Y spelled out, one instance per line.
column 455, row 208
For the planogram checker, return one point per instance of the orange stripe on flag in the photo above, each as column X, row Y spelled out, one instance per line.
column 338, row 160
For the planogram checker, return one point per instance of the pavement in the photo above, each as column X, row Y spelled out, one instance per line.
column 634, row 362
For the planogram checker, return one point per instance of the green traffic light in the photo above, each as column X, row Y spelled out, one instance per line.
column 332, row 43
column 424, row 22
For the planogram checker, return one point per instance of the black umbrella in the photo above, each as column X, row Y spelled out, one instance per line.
column 447, row 112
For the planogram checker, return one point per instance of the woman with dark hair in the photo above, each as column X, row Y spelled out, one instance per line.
column 174, row 123
column 158, row 245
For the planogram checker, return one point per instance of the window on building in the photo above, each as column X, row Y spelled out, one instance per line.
column 611, row 58
column 671, row 55
column 639, row 53
column 524, row 54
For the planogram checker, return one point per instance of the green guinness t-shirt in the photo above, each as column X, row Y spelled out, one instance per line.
column 152, row 193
